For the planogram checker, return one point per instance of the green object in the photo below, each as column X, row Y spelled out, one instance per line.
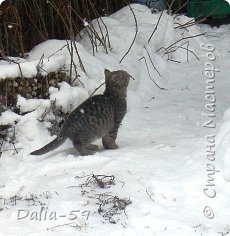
column 208, row 8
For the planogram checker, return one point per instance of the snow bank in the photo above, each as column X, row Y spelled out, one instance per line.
column 28, row 105
column 9, row 118
column 67, row 97
column 30, row 68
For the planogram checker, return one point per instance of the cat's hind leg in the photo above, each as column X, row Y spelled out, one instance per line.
column 92, row 147
column 108, row 141
column 85, row 149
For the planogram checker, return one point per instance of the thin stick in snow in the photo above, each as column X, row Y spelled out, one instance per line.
column 70, row 49
column 150, row 75
column 13, row 61
column 152, row 62
column 57, row 51
column 174, row 48
column 187, row 50
column 79, row 58
column 136, row 31
column 173, row 60
column 188, row 37
column 195, row 21
column 96, row 89
column 150, row 196
column 155, row 27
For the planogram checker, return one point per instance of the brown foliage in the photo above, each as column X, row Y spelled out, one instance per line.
column 25, row 23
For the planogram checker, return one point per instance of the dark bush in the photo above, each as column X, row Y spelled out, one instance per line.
column 25, row 23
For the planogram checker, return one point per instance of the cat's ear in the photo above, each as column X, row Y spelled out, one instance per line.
column 107, row 73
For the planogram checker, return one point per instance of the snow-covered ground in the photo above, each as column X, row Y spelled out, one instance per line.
column 173, row 163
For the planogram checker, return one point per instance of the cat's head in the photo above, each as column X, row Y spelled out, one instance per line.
column 117, row 79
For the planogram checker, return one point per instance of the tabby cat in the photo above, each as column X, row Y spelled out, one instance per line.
column 99, row 116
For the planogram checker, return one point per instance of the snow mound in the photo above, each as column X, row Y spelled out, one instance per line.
column 67, row 97
column 30, row 68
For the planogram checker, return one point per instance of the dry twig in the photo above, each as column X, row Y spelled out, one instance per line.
column 183, row 38
column 152, row 62
column 155, row 26
column 96, row 89
column 136, row 31
column 150, row 74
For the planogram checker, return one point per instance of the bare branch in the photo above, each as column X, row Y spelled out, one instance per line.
column 150, row 74
column 136, row 31
column 152, row 62
column 174, row 60
column 174, row 48
column 188, row 37
column 155, row 27
column 13, row 61
column 57, row 51
column 96, row 89
column 150, row 196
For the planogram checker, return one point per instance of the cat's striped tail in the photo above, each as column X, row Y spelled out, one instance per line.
column 50, row 146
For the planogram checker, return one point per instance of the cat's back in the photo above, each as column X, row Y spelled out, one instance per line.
column 98, row 105
column 95, row 116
